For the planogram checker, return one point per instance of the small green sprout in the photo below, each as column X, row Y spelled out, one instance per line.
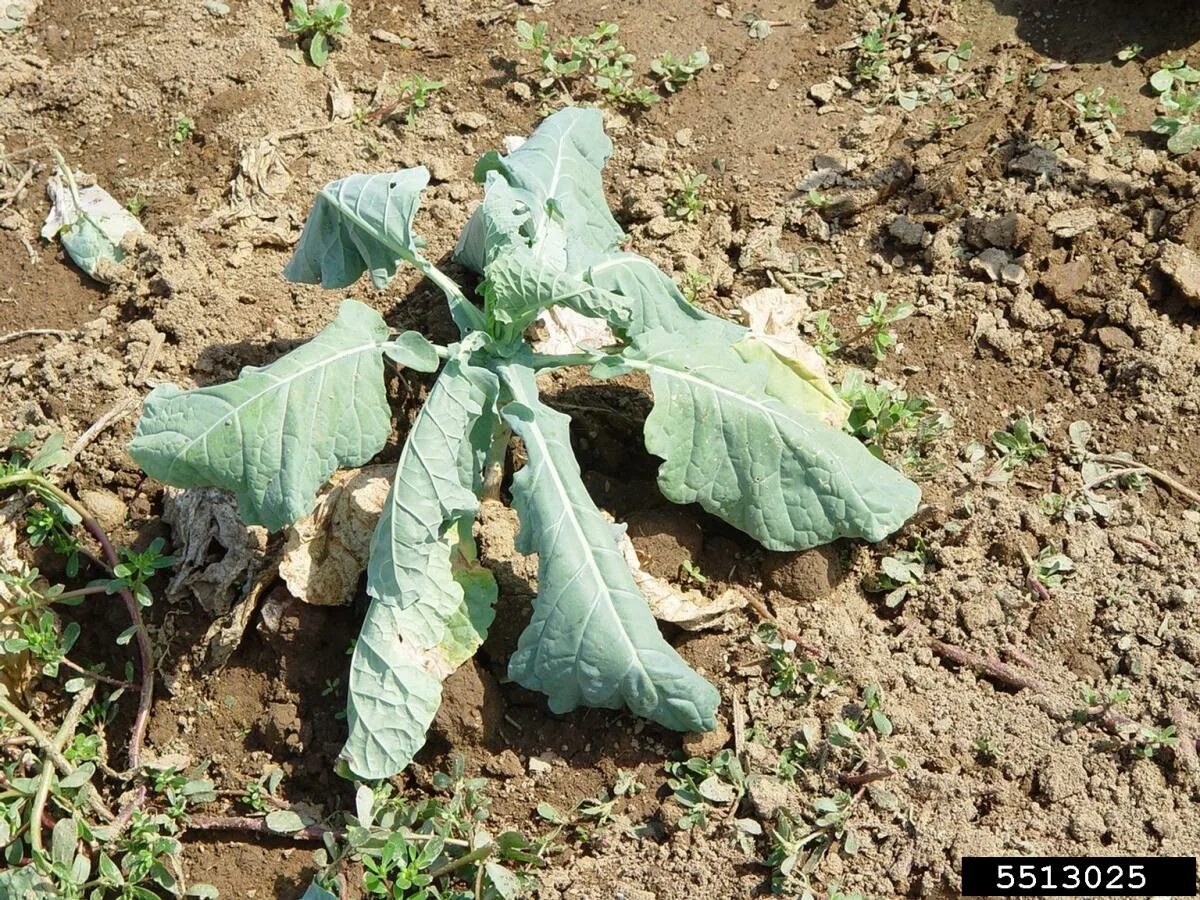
column 694, row 284
column 700, row 785
column 875, row 323
column 1049, row 566
column 181, row 133
column 1178, row 88
column 1093, row 106
column 689, row 571
column 952, row 60
column 686, row 203
column 1128, row 52
column 1019, row 444
column 320, row 25
column 673, row 72
column 900, row 573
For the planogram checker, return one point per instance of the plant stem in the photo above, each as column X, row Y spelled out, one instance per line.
column 543, row 361
column 79, row 592
column 74, row 666
column 993, row 668
column 1140, row 469
column 479, row 853
column 493, row 467
column 467, row 316
column 38, row 807
column 40, row 485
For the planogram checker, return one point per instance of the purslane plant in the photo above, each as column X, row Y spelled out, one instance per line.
column 744, row 429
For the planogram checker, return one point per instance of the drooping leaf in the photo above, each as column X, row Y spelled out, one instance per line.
column 432, row 602
column 777, row 473
column 364, row 223
column 437, row 482
column 403, row 655
column 275, row 434
column 592, row 640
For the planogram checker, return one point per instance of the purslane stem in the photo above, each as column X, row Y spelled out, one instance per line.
column 46, row 488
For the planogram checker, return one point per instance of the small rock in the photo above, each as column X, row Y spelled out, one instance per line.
column 991, row 262
column 823, row 93
column 1182, row 266
column 1065, row 280
column 388, row 37
column 1086, row 360
column 650, row 157
column 767, row 796
column 803, row 575
column 1113, row 338
column 107, row 508
column 661, row 227
column 1038, row 161
column 706, row 743
column 1012, row 274
column 1005, row 232
column 907, row 232
column 217, row 8
column 505, row 765
column 521, row 90
column 538, row 766
column 1070, row 222
column 470, row 121
column 683, row 137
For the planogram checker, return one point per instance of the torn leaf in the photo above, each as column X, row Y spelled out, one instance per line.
column 90, row 223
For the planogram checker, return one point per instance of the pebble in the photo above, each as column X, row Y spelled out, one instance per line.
column 991, row 262
column 1071, row 222
column 217, row 8
column 1182, row 265
column 1113, row 338
column 470, row 121
column 907, row 232
column 388, row 37
column 823, row 92
column 683, row 137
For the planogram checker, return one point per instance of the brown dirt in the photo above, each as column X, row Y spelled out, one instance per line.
column 1093, row 330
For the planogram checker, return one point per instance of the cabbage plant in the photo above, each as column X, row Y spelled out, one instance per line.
column 742, row 427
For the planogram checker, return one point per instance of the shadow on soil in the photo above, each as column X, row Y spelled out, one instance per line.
column 1094, row 30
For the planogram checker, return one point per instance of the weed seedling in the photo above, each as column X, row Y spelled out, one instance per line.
column 686, row 202
column 320, row 26
column 1049, row 567
column 1129, row 52
column 1093, row 106
column 952, row 60
column 694, row 284
column 182, row 131
column 899, row 574
column 875, row 324
column 1021, row 443
column 892, row 422
column 689, row 571
column 871, row 62
column 1178, row 89
column 700, row 785
column 673, row 73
